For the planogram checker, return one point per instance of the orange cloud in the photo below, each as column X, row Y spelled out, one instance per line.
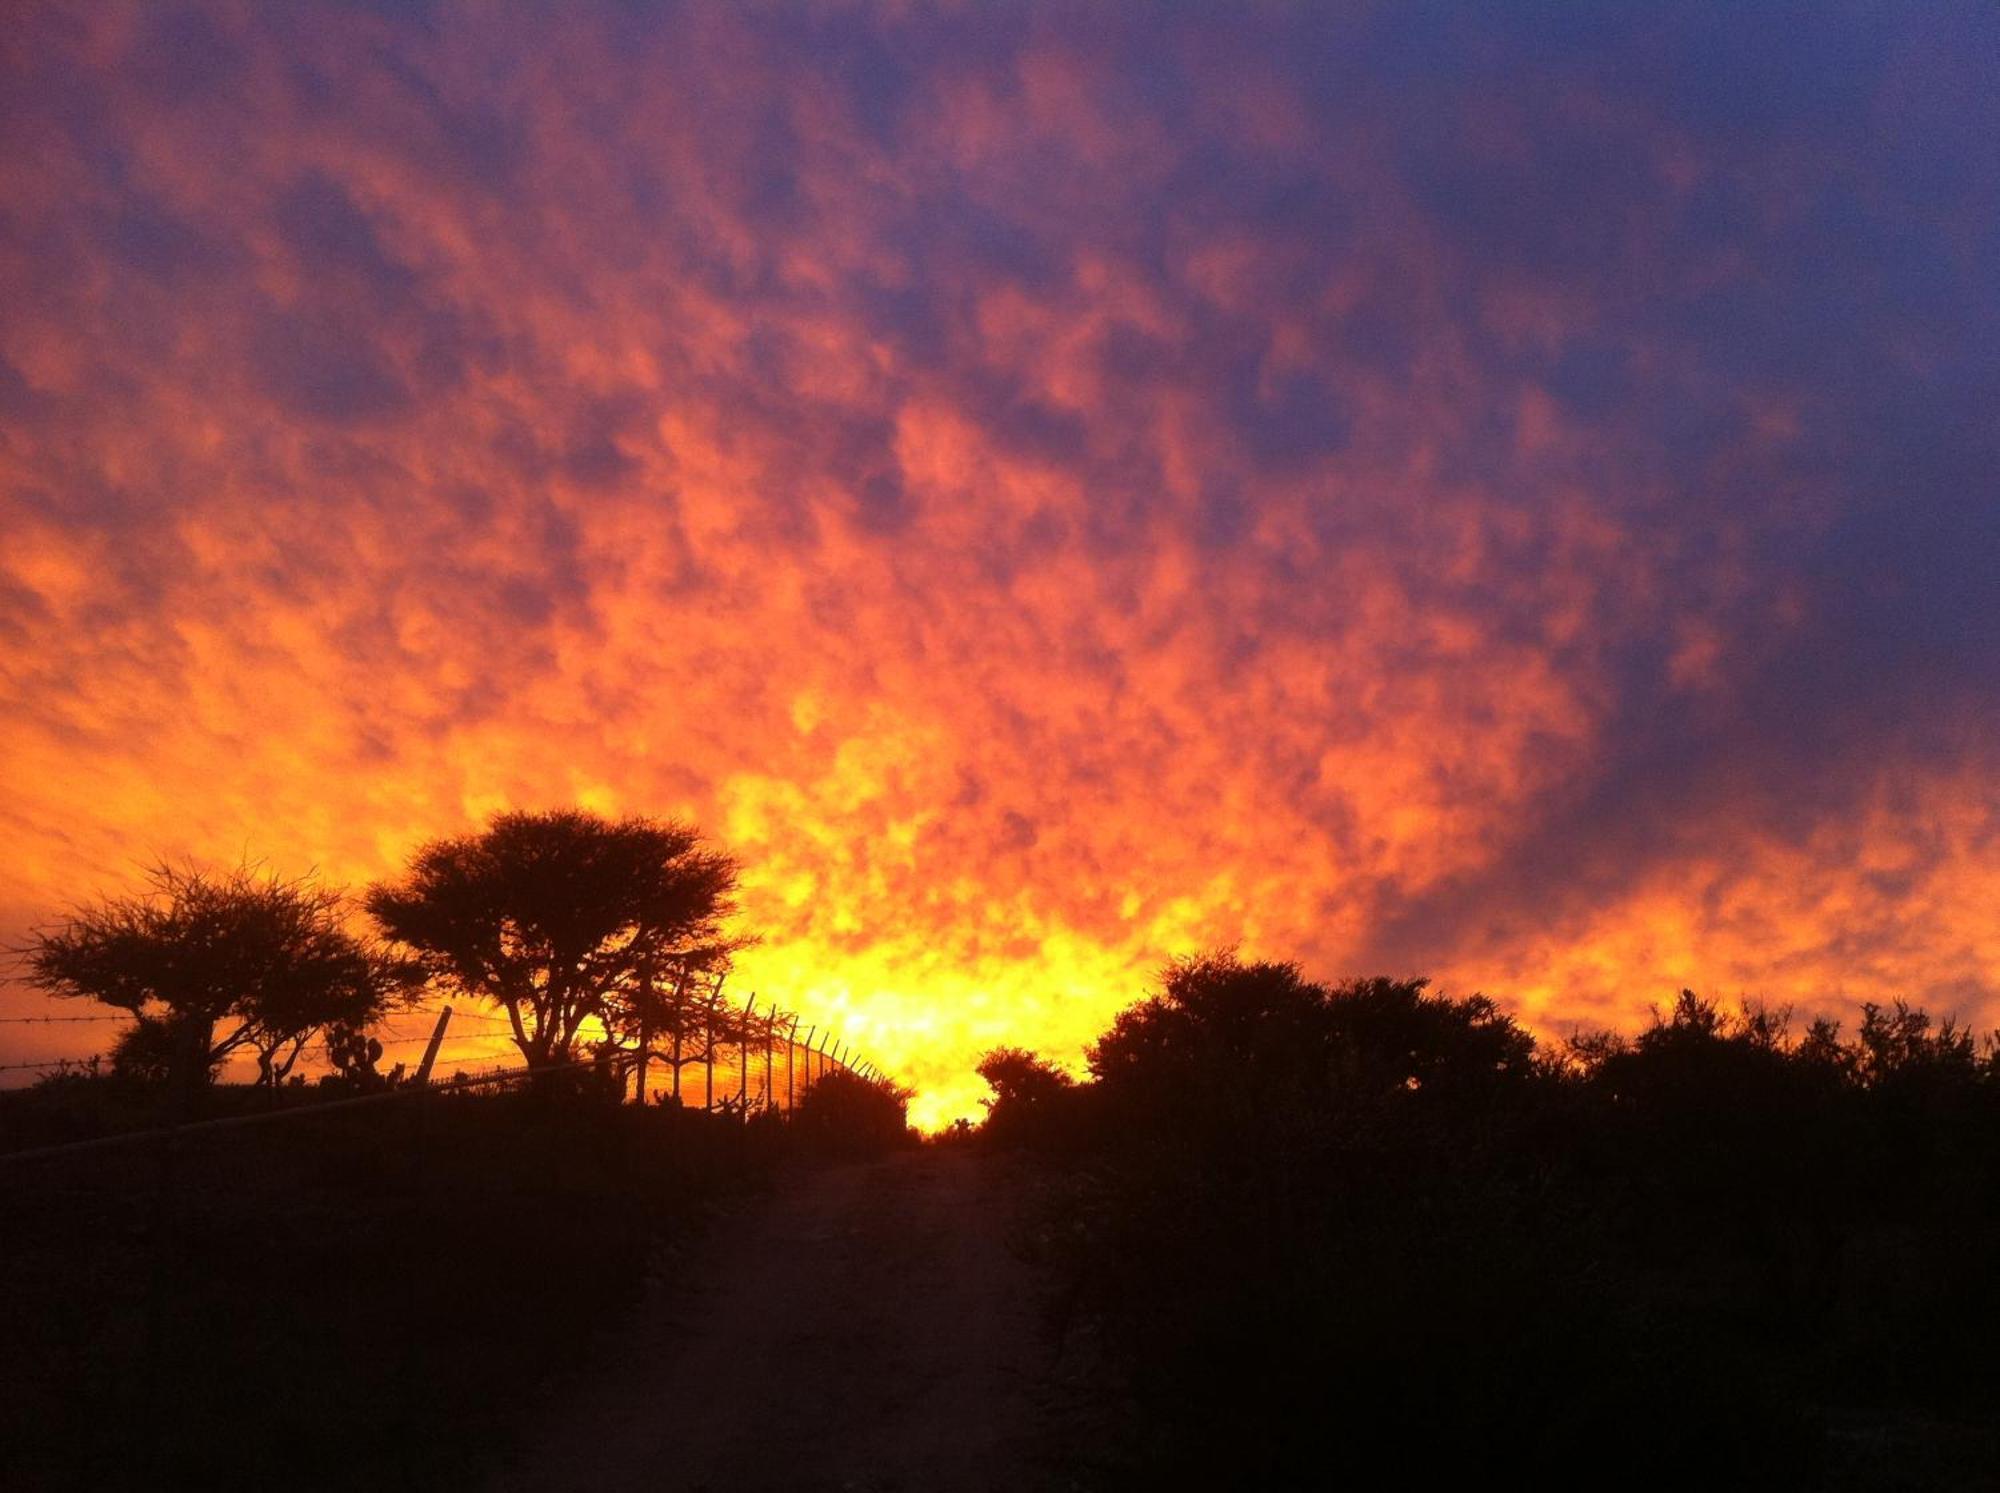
column 1049, row 495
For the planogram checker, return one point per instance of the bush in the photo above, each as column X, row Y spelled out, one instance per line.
column 845, row 1114
column 1030, row 1103
column 1375, row 1224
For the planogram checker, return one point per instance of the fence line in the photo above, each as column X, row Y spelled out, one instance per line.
column 22, row 1020
column 729, row 1060
column 401, row 1093
column 747, row 1059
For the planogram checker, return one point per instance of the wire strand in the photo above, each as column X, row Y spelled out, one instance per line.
column 20, row 1020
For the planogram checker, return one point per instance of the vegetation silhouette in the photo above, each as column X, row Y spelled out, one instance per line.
column 420, row 1261
column 1309, row 1227
column 845, row 1114
column 1026, row 1091
column 1364, row 1225
column 561, row 917
column 212, row 961
column 675, row 1013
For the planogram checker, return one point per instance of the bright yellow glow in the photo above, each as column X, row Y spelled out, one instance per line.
column 1003, row 617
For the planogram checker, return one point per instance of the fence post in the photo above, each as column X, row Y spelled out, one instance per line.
column 680, row 1028
column 708, row 1047
column 743, row 1056
column 792, row 1064
column 431, row 1047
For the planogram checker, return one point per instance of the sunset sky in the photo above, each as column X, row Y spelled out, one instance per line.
column 1505, row 492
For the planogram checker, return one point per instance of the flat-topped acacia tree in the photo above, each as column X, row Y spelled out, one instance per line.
column 210, row 961
column 549, row 915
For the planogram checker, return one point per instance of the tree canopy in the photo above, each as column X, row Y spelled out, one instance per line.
column 556, row 915
column 213, row 961
column 1216, row 1016
column 1027, row 1088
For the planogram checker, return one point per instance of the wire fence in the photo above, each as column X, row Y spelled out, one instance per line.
column 175, row 1133
column 751, row 1060
column 131, row 1247
column 51, row 1020
column 711, row 1055
column 191, row 1236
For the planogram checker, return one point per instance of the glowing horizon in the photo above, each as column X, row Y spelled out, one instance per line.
column 1463, row 494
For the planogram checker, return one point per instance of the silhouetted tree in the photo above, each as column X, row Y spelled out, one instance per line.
column 1821, row 1048
column 1898, row 1045
column 1218, row 1023
column 1396, row 1035
column 152, row 1047
column 1213, row 1009
column 550, row 915
column 1370, row 1216
column 1027, row 1089
column 214, row 961
column 1018, row 1076
column 674, row 1012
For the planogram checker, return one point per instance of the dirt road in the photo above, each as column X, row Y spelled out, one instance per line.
column 865, row 1327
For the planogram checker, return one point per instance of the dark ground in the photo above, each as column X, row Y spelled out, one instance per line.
column 372, row 1298
column 865, row 1326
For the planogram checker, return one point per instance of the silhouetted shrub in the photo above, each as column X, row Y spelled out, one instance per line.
column 845, row 1114
column 1376, row 1225
column 210, row 961
column 1029, row 1097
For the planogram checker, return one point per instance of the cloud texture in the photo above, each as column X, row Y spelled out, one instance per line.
column 1506, row 492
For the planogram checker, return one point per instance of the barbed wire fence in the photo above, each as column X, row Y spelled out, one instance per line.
column 714, row 1057
column 147, row 1202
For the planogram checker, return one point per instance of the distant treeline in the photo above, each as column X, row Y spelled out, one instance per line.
column 1328, row 1229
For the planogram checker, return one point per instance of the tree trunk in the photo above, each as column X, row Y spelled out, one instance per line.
column 193, row 1077
column 645, row 1046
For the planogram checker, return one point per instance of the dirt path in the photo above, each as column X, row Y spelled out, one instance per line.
column 866, row 1327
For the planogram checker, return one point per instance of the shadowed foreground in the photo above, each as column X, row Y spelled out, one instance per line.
column 864, row 1328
